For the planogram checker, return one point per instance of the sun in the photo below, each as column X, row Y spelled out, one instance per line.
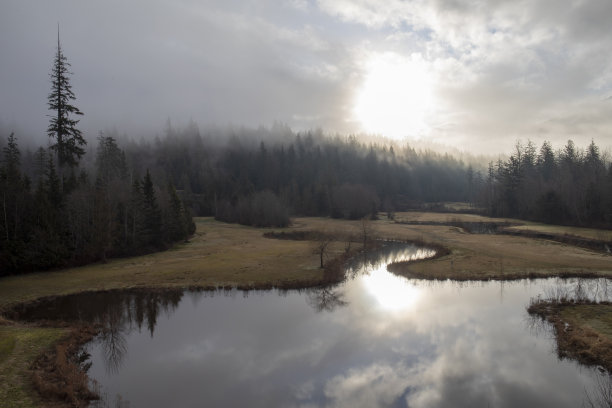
column 395, row 97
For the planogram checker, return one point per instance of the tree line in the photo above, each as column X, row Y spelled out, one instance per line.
column 568, row 186
column 49, row 220
column 259, row 177
column 56, row 213
column 66, row 206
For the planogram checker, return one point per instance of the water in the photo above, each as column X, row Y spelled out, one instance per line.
column 377, row 340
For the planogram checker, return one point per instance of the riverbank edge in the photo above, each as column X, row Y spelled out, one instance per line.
column 574, row 340
column 504, row 228
column 57, row 374
column 333, row 273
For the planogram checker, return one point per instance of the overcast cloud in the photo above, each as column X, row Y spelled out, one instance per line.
column 499, row 70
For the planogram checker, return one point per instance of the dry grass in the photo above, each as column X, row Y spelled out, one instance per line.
column 489, row 256
column 594, row 316
column 218, row 255
column 232, row 255
column 19, row 348
column 58, row 375
column 588, row 233
column 560, row 230
column 583, row 331
column 423, row 216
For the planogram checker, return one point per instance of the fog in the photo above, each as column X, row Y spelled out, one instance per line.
column 495, row 71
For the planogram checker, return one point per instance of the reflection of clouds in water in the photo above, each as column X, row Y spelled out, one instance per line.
column 459, row 374
column 451, row 344
column 377, row 385
column 467, row 359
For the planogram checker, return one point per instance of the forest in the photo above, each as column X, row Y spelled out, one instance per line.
column 52, row 220
column 129, row 197
column 70, row 203
column 568, row 186
column 109, row 205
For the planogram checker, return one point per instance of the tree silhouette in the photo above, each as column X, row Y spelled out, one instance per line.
column 62, row 127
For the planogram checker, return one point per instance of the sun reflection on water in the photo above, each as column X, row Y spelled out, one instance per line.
column 391, row 292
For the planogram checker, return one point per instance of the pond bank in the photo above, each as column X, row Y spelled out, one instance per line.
column 583, row 330
column 230, row 256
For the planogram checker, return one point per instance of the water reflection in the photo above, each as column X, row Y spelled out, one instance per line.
column 374, row 340
column 599, row 393
column 325, row 299
column 391, row 292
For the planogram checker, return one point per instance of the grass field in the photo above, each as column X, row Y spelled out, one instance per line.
column 583, row 331
column 19, row 347
column 231, row 255
column 451, row 218
column 589, row 233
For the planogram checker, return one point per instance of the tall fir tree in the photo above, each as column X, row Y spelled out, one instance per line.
column 152, row 220
column 11, row 187
column 62, row 126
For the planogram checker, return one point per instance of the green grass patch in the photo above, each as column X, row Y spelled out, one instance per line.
column 19, row 348
column 7, row 344
column 596, row 316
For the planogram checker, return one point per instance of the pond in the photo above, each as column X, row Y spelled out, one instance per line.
column 376, row 340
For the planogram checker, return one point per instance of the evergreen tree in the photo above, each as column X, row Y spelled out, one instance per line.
column 151, row 214
column 110, row 160
column 11, row 187
column 134, row 214
column 12, row 157
column 546, row 163
column 175, row 227
column 62, row 127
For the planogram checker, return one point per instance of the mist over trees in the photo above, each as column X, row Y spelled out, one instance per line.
column 90, row 216
column 128, row 197
column 262, row 176
column 64, row 205
column 139, row 196
column 55, row 213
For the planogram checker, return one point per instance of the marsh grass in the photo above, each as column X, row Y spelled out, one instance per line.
column 237, row 257
column 582, row 329
column 21, row 345
column 60, row 374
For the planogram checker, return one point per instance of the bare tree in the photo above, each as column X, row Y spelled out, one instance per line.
column 326, row 299
column 323, row 240
column 367, row 231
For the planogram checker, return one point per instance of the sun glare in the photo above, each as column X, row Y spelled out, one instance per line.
column 391, row 292
column 395, row 96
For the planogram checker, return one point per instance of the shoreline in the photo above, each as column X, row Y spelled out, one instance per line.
column 231, row 257
column 57, row 374
column 575, row 338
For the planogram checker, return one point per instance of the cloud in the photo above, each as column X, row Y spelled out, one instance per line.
column 500, row 69
column 504, row 69
column 376, row 385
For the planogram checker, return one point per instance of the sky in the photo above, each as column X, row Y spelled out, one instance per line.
column 477, row 75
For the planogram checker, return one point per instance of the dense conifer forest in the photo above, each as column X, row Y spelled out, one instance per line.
column 567, row 186
column 129, row 197
column 71, row 203
column 50, row 220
